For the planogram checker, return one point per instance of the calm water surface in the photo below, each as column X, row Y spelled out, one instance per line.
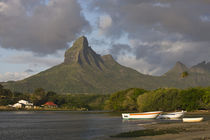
column 63, row 125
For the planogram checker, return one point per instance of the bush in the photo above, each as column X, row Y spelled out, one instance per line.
column 124, row 100
column 175, row 99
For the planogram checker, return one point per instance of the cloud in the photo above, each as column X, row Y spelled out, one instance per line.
column 157, row 58
column 29, row 71
column 105, row 22
column 40, row 27
column 34, row 60
column 13, row 76
column 205, row 18
column 119, row 49
column 138, row 17
column 138, row 64
column 163, row 5
column 160, row 32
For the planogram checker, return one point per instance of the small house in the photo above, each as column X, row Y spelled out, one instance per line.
column 50, row 105
column 23, row 104
column 18, row 105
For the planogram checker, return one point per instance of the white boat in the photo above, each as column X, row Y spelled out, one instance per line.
column 143, row 115
column 172, row 115
column 192, row 119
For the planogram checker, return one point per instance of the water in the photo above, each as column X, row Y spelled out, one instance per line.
column 54, row 125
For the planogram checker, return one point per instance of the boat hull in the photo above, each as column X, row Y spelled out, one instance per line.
column 144, row 115
column 173, row 115
column 192, row 119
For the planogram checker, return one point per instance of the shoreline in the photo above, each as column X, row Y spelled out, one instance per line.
column 5, row 108
column 178, row 130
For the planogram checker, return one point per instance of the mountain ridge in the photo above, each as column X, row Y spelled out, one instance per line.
column 85, row 71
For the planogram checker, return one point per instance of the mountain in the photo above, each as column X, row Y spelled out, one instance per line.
column 85, row 71
column 177, row 69
column 202, row 67
column 180, row 76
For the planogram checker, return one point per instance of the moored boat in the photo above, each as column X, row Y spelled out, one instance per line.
column 172, row 115
column 192, row 119
column 143, row 115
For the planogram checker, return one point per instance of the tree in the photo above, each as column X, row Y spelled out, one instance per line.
column 184, row 74
column 39, row 96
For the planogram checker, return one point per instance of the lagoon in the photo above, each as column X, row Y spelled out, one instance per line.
column 62, row 125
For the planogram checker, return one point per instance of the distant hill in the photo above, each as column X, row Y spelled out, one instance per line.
column 202, row 67
column 84, row 71
column 180, row 76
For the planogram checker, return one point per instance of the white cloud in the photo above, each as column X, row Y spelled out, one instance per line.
column 162, row 5
column 31, row 59
column 156, row 58
column 13, row 76
column 137, row 64
column 3, row 7
column 105, row 22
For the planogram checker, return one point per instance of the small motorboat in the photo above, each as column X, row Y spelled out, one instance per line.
column 193, row 119
column 143, row 115
column 172, row 115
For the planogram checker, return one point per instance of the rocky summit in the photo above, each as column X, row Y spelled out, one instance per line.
column 85, row 71
column 82, row 54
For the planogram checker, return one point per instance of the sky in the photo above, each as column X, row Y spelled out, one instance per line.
column 147, row 35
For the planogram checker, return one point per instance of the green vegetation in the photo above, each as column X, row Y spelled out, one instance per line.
column 84, row 71
column 125, row 100
column 175, row 99
column 132, row 99
column 64, row 101
column 164, row 99
column 184, row 74
column 5, row 96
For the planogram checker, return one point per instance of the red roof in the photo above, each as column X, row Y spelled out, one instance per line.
column 50, row 104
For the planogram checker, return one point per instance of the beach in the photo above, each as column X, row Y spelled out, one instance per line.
column 182, row 131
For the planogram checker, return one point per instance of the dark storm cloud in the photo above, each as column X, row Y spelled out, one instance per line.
column 29, row 71
column 40, row 26
column 163, row 55
column 168, row 17
column 160, row 32
column 119, row 49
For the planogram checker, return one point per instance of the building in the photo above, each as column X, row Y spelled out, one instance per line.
column 23, row 104
column 50, row 105
column 17, row 105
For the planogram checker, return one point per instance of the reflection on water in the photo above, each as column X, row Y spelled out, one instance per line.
column 52, row 125
column 61, row 125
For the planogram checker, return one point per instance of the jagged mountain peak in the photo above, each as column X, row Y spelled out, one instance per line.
column 72, row 54
column 178, row 68
column 178, row 64
column 81, row 53
column 84, row 71
column 81, row 43
column 202, row 67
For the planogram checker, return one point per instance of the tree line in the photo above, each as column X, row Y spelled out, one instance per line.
column 133, row 99
column 163, row 99
column 65, row 101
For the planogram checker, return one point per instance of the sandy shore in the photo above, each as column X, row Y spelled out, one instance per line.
column 195, row 131
column 192, row 131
